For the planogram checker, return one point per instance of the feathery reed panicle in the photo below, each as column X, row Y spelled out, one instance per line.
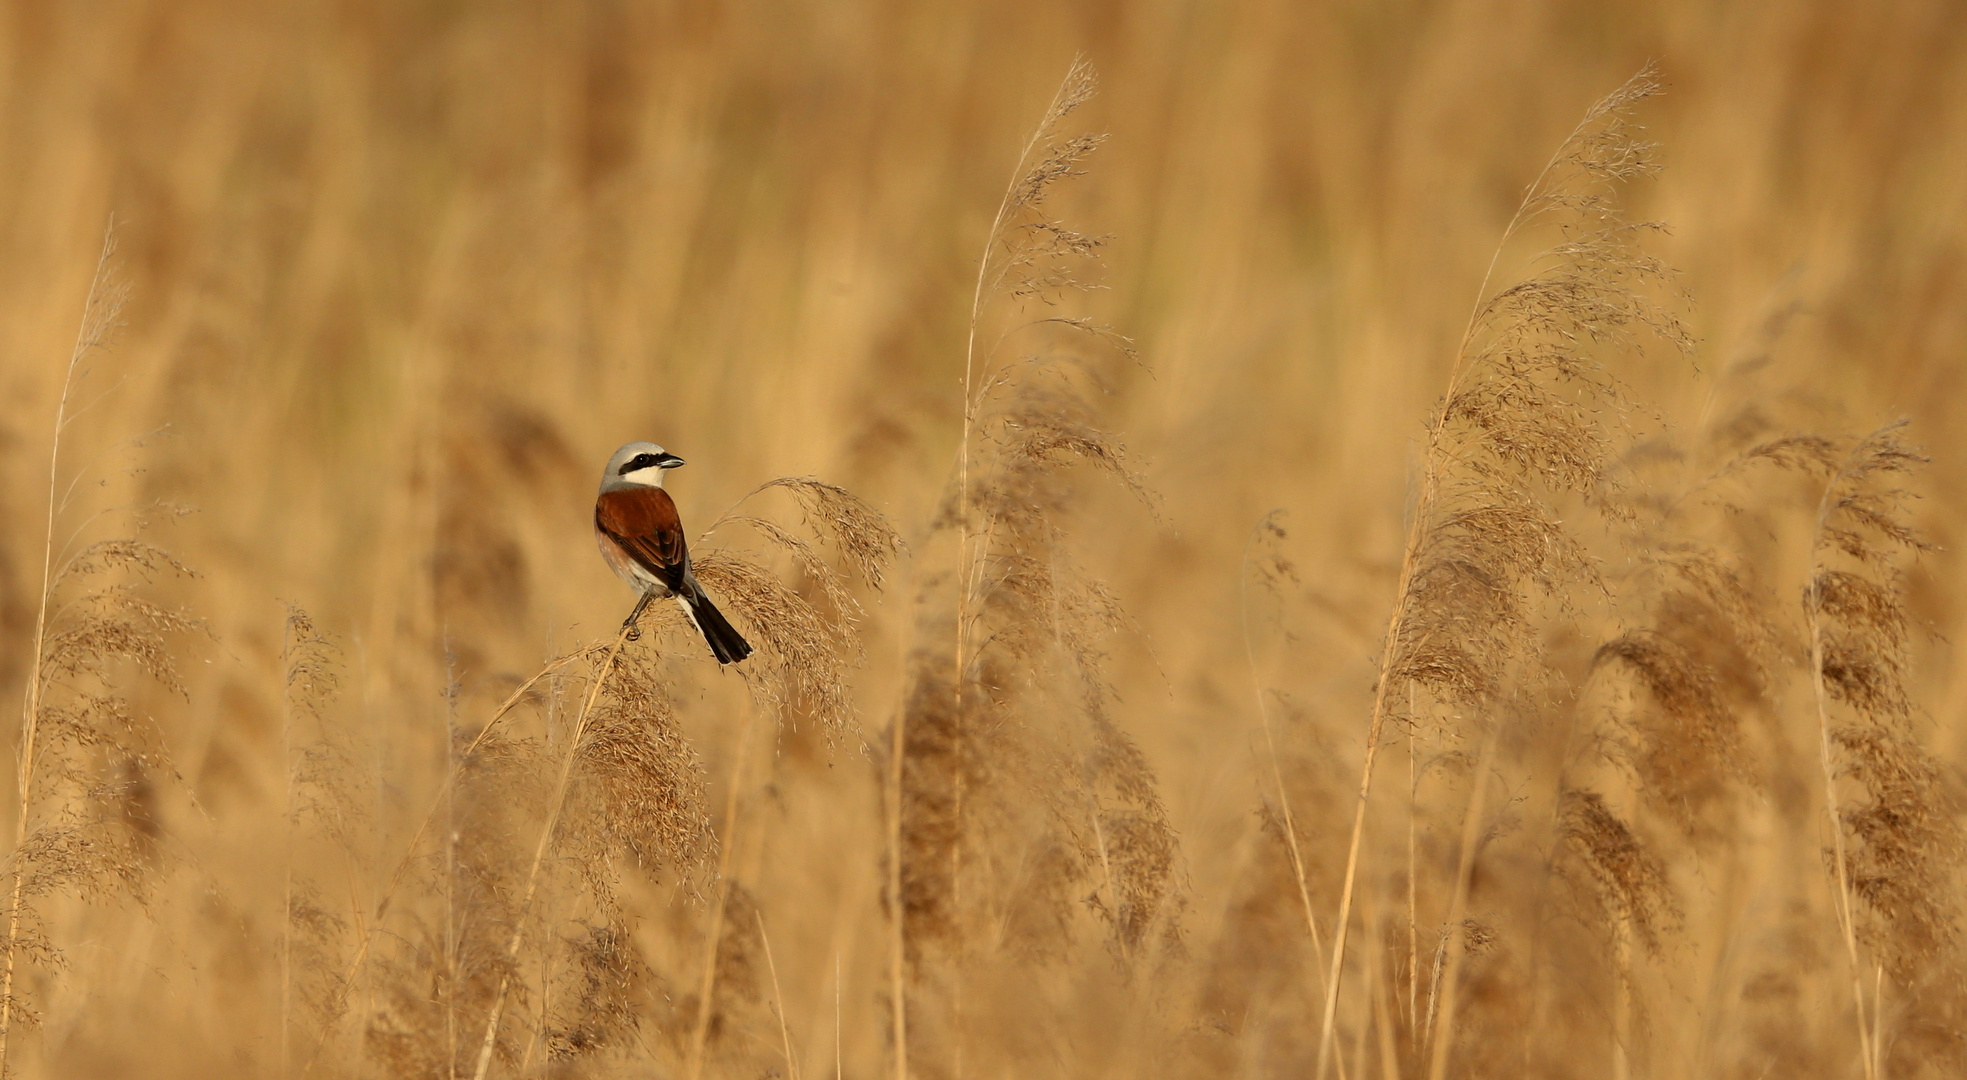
column 322, row 804
column 804, row 646
column 84, row 750
column 1010, row 827
column 1528, row 422
column 640, row 788
column 1897, row 839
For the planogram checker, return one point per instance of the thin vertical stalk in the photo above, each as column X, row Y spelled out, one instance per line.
column 1360, row 1036
column 979, row 295
column 778, row 1000
column 898, row 941
column 1375, row 726
column 1383, row 1007
column 1841, row 902
column 451, row 943
column 1442, row 1036
column 287, row 869
column 1270, row 746
column 1622, row 999
column 98, row 313
column 1413, row 887
column 700, row 1034
column 1877, row 1019
column 539, row 853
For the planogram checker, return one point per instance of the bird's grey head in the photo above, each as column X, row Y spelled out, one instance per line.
column 638, row 464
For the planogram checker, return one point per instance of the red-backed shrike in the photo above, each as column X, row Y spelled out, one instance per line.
column 635, row 523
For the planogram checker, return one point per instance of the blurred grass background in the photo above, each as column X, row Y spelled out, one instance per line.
column 406, row 272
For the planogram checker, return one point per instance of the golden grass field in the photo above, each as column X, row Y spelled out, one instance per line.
column 1148, row 494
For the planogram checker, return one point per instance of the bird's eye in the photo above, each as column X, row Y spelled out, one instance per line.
column 639, row 461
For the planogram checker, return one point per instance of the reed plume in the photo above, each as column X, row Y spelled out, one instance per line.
column 1005, row 827
column 83, row 747
column 1896, row 837
column 1528, row 417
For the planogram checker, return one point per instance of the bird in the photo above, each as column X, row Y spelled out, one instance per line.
column 641, row 537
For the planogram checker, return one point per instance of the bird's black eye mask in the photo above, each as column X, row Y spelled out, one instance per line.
column 644, row 461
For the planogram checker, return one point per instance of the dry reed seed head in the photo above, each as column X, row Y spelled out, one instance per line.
column 643, row 786
column 140, row 559
column 1531, row 417
column 1862, row 605
column 1041, row 436
column 1029, row 439
column 802, row 670
column 320, row 944
column 1039, row 253
column 1698, row 576
column 1884, row 451
column 1138, row 848
column 109, row 291
column 87, row 828
column 1858, row 613
column 1059, row 161
column 1534, row 434
column 846, row 610
column 322, row 765
column 938, row 762
column 78, row 856
column 1264, row 552
column 1868, row 526
column 1697, row 665
column 1466, row 631
column 1519, row 538
column 802, row 667
column 863, row 535
column 740, row 959
column 598, row 998
column 1041, row 602
column 1590, row 300
column 1905, row 840
column 114, row 623
column 1909, row 850
column 1604, row 151
column 1806, row 453
column 1684, row 751
column 1098, row 331
column 1062, row 813
column 312, row 660
column 1535, row 400
column 1078, row 87
column 1627, row 879
column 1859, row 675
column 1056, row 160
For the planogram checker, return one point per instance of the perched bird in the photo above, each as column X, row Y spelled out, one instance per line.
column 640, row 535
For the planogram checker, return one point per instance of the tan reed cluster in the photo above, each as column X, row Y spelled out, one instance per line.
column 1609, row 755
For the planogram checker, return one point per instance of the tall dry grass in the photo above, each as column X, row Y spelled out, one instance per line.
column 1212, row 649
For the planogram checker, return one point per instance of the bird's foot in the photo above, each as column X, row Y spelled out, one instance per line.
column 634, row 632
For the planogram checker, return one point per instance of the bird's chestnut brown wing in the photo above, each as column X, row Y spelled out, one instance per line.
column 645, row 523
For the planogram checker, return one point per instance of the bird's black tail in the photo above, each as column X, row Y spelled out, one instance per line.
column 725, row 642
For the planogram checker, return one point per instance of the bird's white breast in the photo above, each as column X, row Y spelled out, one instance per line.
column 626, row 568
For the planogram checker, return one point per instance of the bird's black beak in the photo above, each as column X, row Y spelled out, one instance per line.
column 668, row 461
